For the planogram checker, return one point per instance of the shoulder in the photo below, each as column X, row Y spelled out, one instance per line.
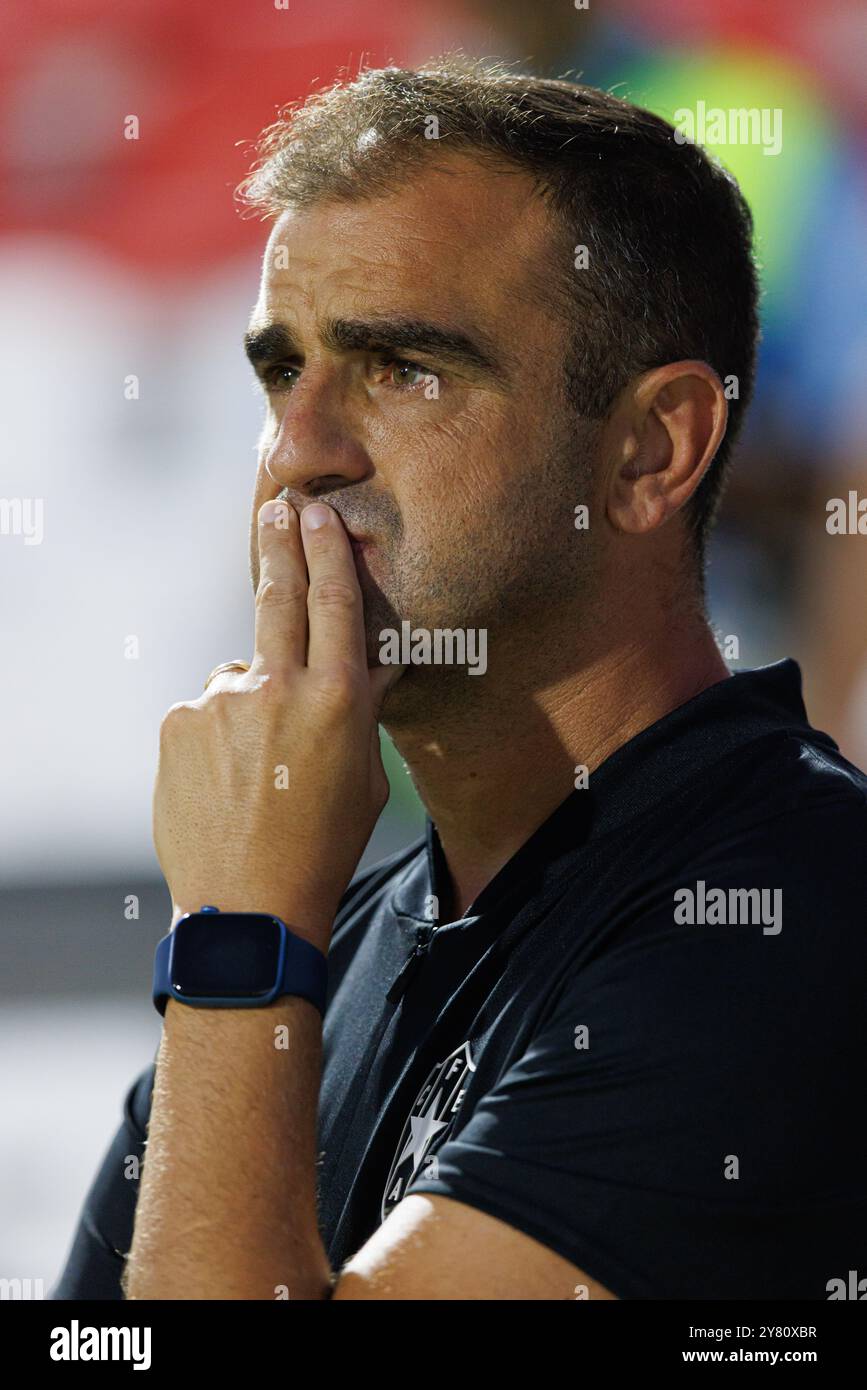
column 793, row 773
column 790, row 814
column 786, row 813
column 750, row 884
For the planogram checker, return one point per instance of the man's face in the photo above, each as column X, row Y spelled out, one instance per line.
column 413, row 376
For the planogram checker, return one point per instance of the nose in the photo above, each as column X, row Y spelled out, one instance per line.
column 317, row 448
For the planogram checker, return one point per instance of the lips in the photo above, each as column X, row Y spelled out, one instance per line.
column 358, row 539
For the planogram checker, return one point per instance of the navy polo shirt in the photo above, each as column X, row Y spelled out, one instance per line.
column 645, row 1045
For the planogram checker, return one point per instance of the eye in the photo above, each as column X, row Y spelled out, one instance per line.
column 404, row 374
column 276, row 377
column 400, row 373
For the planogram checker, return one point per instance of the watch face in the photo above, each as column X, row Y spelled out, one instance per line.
column 231, row 956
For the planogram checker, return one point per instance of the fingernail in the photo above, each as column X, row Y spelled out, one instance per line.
column 270, row 511
column 315, row 516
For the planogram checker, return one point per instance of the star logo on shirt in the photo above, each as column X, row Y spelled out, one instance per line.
column 423, row 1128
column 435, row 1110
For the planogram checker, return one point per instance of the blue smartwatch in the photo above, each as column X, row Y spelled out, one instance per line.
column 236, row 960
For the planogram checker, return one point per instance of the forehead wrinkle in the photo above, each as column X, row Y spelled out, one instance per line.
column 528, row 250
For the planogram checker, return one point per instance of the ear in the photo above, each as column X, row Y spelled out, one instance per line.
column 665, row 432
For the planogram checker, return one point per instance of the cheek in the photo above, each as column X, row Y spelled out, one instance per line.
column 472, row 461
column 458, row 455
column 450, row 472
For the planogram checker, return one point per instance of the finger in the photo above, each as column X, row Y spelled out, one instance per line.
column 334, row 605
column 281, row 598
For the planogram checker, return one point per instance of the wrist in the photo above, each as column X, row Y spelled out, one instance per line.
column 216, row 958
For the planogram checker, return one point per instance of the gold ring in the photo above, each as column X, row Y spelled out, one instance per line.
column 227, row 666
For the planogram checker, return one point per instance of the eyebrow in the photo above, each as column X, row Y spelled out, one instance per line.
column 274, row 342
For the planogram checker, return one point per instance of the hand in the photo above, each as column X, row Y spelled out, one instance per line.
column 269, row 785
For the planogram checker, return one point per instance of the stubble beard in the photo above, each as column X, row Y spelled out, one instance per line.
column 528, row 577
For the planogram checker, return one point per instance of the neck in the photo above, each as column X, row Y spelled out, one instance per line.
column 491, row 767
